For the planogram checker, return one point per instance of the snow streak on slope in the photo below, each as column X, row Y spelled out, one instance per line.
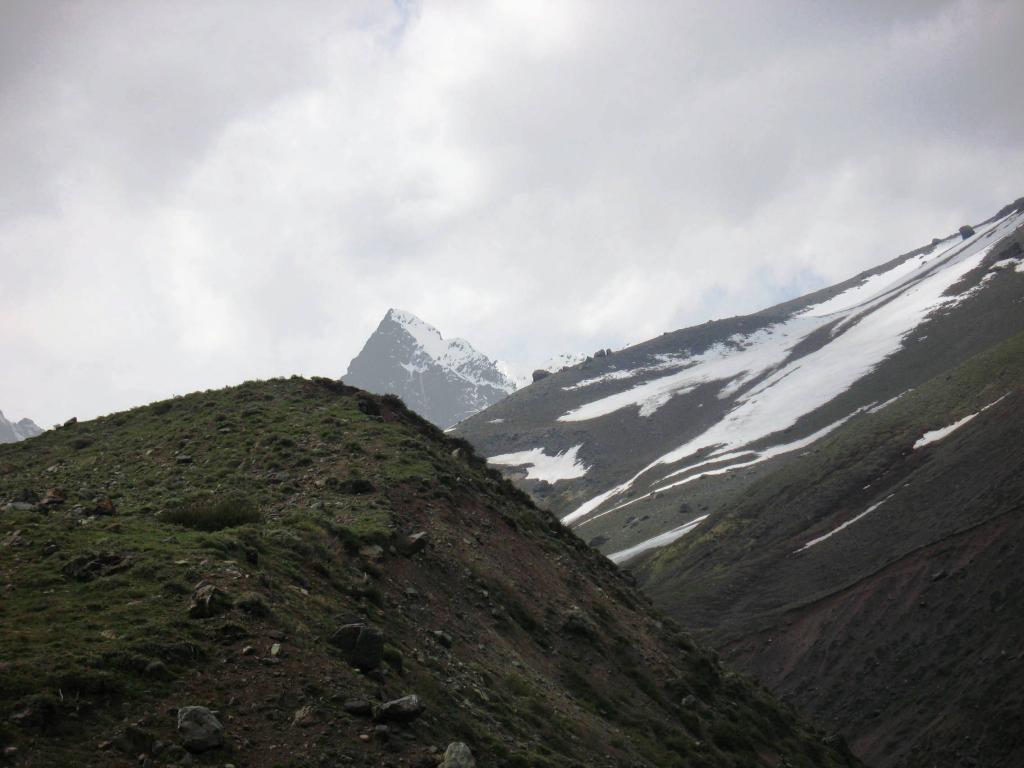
column 750, row 458
column 770, row 389
column 541, row 466
column 661, row 540
column 938, row 434
column 848, row 523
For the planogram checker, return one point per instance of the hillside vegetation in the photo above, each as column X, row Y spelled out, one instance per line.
column 299, row 559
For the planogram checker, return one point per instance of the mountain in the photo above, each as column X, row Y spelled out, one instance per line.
column 442, row 380
column 875, row 579
column 295, row 572
column 13, row 432
column 827, row 489
column 618, row 445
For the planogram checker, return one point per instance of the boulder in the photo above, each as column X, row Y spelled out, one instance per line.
column 403, row 710
column 540, row 374
column 200, row 729
column 966, row 231
column 458, row 755
column 362, row 645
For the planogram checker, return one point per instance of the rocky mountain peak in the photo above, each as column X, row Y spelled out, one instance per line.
column 444, row 380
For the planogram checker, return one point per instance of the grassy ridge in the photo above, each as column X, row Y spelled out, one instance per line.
column 294, row 500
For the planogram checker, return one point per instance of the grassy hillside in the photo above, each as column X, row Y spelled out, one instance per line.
column 295, row 554
column 903, row 629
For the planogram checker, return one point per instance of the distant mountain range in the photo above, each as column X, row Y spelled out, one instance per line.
column 830, row 489
column 16, row 431
column 444, row 380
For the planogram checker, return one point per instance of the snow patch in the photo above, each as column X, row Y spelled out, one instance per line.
column 544, row 467
column 939, row 434
column 848, row 523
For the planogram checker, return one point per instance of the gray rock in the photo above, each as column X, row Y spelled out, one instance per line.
column 200, row 729
column 458, row 755
column 401, row 710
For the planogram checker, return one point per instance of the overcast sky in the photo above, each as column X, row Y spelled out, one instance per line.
column 197, row 193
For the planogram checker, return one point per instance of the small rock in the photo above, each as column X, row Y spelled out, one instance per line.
column 411, row 545
column 54, row 497
column 306, row 716
column 133, row 740
column 176, row 754
column 158, row 670
column 458, row 755
column 248, row 650
column 208, row 600
column 442, row 637
column 275, row 650
column 576, row 622
column 103, row 507
column 401, row 710
column 182, row 458
column 92, row 565
column 200, row 729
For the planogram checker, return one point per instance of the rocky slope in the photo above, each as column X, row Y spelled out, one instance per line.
column 829, row 490
column 877, row 578
column 15, row 431
column 297, row 573
column 443, row 380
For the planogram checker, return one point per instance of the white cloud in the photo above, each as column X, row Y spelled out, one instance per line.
column 241, row 191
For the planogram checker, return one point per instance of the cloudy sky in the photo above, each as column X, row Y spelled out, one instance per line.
column 197, row 193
